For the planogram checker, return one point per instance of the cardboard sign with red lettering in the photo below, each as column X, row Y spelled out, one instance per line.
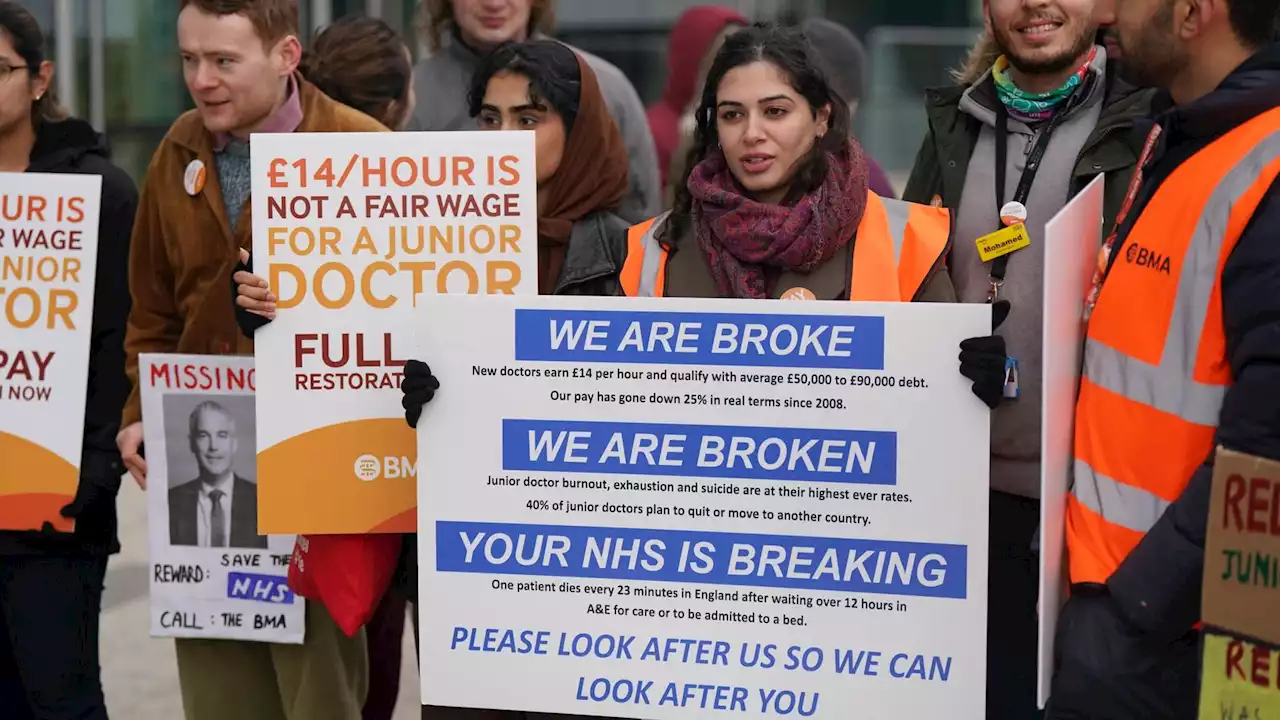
column 1241, row 679
column 1242, row 551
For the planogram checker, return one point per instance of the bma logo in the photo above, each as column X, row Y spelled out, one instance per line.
column 1150, row 259
column 371, row 467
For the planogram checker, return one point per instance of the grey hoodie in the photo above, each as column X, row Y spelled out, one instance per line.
column 443, row 79
column 1015, row 426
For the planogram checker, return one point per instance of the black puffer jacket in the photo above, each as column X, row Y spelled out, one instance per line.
column 73, row 146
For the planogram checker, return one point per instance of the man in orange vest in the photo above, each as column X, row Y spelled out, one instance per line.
column 1182, row 354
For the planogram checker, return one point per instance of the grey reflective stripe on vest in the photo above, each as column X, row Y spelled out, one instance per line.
column 1170, row 386
column 652, row 258
column 1156, row 386
column 1121, row 504
column 898, row 213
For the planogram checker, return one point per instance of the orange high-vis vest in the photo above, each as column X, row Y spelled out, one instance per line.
column 1155, row 362
column 896, row 247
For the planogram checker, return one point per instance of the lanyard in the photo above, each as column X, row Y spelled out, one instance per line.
column 1135, row 184
column 1000, row 265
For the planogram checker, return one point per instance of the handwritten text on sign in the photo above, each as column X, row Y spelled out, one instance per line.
column 198, row 414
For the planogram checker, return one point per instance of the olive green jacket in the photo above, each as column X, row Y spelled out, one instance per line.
column 1113, row 147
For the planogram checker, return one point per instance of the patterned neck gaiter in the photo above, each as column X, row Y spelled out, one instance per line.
column 1034, row 107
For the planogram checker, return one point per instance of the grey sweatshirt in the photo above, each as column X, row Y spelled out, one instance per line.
column 1015, row 425
column 443, row 79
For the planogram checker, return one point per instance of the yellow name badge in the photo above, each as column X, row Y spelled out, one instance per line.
column 1003, row 242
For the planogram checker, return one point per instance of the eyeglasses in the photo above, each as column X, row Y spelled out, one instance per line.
column 7, row 70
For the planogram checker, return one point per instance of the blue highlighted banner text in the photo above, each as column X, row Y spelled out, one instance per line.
column 867, row 457
column 261, row 588
column 778, row 561
column 848, row 342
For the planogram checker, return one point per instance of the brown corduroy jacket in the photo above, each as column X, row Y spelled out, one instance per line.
column 183, row 248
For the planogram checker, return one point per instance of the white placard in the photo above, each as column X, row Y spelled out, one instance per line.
column 353, row 231
column 213, row 575
column 1072, row 239
column 739, row 506
column 48, row 262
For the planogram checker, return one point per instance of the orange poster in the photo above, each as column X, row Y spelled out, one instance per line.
column 352, row 231
column 48, row 256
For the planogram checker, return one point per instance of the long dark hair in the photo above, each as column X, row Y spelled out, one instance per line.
column 552, row 70
column 788, row 50
column 362, row 63
column 28, row 41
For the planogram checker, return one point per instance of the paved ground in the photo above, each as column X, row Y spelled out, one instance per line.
column 138, row 671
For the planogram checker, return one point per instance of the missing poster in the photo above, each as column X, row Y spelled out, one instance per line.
column 213, row 575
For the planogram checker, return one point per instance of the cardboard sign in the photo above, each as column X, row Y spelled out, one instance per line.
column 1241, row 672
column 1241, row 679
column 1242, row 551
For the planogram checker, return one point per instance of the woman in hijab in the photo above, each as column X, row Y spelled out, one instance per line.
column 543, row 86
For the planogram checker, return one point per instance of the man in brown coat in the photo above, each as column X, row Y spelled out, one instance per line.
column 239, row 60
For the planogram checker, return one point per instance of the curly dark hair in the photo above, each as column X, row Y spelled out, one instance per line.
column 787, row 49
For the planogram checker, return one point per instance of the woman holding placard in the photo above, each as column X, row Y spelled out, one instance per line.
column 51, row 581
column 775, row 202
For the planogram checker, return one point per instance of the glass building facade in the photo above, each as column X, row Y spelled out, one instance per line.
column 118, row 65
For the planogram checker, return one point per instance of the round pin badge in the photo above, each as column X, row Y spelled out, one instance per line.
column 193, row 178
column 936, row 201
column 1013, row 213
column 798, row 293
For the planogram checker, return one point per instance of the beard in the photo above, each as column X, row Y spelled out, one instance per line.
column 1055, row 63
column 1151, row 57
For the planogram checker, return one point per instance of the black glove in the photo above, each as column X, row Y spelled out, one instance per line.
column 419, row 387
column 983, row 359
column 94, row 505
column 248, row 322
